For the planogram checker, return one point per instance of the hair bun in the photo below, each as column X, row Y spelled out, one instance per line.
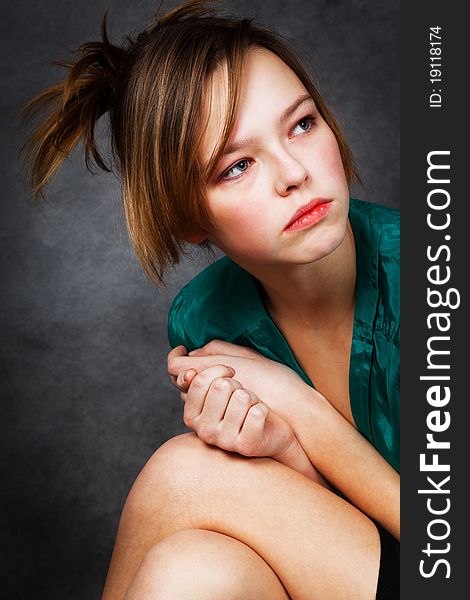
column 74, row 105
column 100, row 61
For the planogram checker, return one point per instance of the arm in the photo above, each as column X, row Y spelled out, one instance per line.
column 343, row 456
column 348, row 460
column 295, row 457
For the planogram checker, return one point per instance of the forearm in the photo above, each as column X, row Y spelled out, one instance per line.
column 296, row 458
column 349, row 461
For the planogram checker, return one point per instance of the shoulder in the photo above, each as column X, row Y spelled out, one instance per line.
column 377, row 216
column 379, row 227
column 210, row 306
column 377, row 232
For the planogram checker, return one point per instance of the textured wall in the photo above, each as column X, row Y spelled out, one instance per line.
column 85, row 396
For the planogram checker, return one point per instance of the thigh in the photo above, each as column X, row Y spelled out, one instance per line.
column 197, row 564
column 316, row 543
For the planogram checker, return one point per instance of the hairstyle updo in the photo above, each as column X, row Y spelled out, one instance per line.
column 154, row 87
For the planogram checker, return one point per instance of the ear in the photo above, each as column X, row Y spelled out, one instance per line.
column 197, row 238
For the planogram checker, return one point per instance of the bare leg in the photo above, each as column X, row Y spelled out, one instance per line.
column 318, row 545
column 195, row 564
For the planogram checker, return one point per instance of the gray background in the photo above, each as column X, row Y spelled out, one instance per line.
column 85, row 397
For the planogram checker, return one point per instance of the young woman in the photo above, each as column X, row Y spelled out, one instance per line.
column 281, row 491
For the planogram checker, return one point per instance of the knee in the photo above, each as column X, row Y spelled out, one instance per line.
column 174, row 462
column 173, row 472
column 180, row 453
column 187, row 564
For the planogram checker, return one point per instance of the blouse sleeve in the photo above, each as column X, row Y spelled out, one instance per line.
column 178, row 332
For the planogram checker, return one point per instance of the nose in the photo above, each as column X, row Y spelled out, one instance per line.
column 291, row 174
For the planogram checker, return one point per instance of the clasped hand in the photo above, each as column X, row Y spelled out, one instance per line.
column 227, row 412
column 277, row 385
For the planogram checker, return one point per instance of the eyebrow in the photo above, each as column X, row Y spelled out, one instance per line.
column 243, row 142
column 294, row 106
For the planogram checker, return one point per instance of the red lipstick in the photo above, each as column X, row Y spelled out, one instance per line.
column 309, row 214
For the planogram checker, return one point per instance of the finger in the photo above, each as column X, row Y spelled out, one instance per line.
column 240, row 403
column 217, row 399
column 180, row 363
column 198, row 389
column 221, row 347
column 184, row 378
column 175, row 353
column 252, row 433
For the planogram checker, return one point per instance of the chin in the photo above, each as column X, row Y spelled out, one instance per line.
column 325, row 244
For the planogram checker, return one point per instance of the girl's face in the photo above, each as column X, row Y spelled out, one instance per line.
column 279, row 194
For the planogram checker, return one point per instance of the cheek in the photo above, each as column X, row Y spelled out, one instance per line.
column 241, row 229
column 233, row 218
column 332, row 161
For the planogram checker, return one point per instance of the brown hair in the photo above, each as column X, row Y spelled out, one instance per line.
column 153, row 87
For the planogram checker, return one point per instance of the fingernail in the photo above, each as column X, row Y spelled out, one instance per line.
column 192, row 352
column 185, row 376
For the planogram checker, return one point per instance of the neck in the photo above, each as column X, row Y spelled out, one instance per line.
column 316, row 295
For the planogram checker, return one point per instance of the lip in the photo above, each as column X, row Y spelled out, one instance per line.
column 309, row 214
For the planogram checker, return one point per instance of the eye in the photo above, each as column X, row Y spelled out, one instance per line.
column 304, row 125
column 236, row 170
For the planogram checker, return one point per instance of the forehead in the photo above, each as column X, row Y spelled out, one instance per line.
column 268, row 86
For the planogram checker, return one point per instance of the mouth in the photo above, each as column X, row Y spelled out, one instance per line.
column 309, row 214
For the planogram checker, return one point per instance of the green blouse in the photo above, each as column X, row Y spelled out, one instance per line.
column 223, row 302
